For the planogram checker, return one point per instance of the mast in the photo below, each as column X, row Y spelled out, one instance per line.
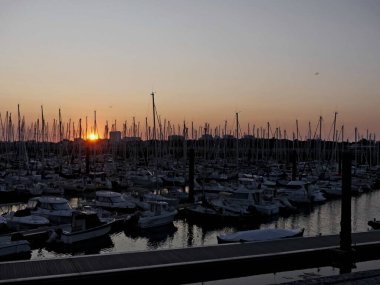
column 154, row 137
column 19, row 123
column 333, row 150
column 86, row 128
column 237, row 141
column 95, row 127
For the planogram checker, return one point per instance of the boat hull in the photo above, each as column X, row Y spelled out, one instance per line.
column 73, row 237
column 259, row 235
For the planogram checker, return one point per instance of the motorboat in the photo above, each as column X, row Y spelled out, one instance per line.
column 56, row 209
column 24, row 220
column 159, row 214
column 259, row 235
column 374, row 224
column 113, row 201
column 84, row 226
column 13, row 244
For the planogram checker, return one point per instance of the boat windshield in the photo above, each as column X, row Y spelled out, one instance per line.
column 61, row 206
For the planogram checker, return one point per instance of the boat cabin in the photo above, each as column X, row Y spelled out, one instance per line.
column 84, row 220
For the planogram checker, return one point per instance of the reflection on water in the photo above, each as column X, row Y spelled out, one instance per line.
column 92, row 246
column 319, row 219
column 155, row 237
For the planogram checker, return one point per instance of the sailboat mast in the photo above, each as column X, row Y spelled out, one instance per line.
column 154, row 138
column 19, row 123
column 154, row 118
column 237, row 141
column 60, row 126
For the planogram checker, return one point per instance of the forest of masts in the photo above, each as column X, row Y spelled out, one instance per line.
column 219, row 142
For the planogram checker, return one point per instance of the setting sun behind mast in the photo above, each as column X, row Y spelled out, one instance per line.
column 93, row 137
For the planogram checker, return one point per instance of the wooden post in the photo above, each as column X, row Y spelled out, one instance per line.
column 191, row 175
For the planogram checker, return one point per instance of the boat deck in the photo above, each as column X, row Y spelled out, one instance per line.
column 187, row 264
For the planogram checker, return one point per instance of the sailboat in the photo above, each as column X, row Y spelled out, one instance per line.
column 159, row 213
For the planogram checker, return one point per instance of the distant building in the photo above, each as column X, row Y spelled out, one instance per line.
column 206, row 137
column 176, row 138
column 228, row 137
column 115, row 136
column 132, row 139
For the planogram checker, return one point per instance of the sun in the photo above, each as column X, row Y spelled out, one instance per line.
column 92, row 137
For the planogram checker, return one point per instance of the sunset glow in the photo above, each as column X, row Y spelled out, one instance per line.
column 93, row 137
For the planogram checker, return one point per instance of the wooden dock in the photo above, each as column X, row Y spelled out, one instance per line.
column 195, row 264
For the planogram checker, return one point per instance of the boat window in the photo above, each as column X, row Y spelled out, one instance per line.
column 239, row 195
column 116, row 199
column 32, row 204
column 295, row 187
column 45, row 206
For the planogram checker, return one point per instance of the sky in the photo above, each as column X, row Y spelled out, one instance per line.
column 206, row 60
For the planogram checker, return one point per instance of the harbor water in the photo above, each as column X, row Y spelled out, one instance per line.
column 320, row 219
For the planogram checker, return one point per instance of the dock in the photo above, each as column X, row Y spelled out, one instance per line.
column 186, row 265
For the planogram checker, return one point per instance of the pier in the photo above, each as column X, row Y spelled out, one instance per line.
column 185, row 265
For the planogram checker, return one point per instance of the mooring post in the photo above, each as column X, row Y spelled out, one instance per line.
column 345, row 254
column 191, row 175
column 345, row 220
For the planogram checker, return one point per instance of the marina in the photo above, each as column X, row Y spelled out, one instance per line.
column 189, row 142
column 108, row 204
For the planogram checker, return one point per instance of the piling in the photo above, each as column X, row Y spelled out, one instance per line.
column 345, row 255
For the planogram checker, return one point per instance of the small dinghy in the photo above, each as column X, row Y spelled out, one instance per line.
column 374, row 224
column 259, row 235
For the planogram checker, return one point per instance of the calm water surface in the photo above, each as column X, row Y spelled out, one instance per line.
column 320, row 219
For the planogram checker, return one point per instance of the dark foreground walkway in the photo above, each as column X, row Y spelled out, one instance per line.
column 173, row 266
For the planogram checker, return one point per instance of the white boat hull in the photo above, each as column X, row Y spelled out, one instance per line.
column 259, row 235
column 73, row 237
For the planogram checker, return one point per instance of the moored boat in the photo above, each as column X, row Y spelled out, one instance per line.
column 24, row 220
column 259, row 235
column 159, row 214
column 13, row 245
column 84, row 226
column 374, row 224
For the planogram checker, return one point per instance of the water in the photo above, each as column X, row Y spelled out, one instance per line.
column 319, row 219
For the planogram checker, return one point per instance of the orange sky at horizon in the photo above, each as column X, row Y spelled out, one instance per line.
column 270, row 61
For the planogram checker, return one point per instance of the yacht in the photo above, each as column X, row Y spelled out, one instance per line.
column 56, row 209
